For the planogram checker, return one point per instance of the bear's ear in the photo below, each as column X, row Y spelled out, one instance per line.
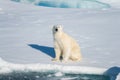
column 60, row 27
column 51, row 26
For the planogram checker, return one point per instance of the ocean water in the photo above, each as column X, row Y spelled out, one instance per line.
column 18, row 75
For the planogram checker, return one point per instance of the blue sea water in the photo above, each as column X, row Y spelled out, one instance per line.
column 18, row 75
column 92, row 4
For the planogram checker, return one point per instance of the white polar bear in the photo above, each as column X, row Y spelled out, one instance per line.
column 65, row 46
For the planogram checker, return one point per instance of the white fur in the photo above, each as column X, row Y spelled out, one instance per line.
column 65, row 46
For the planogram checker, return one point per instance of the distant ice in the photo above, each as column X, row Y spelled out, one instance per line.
column 113, row 3
column 92, row 4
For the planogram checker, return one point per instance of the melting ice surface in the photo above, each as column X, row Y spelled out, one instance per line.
column 93, row 4
column 10, row 71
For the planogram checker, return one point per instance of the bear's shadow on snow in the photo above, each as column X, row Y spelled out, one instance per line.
column 113, row 72
column 45, row 49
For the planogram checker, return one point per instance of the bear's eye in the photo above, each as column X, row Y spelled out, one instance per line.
column 56, row 29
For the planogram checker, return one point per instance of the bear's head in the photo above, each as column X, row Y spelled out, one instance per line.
column 56, row 29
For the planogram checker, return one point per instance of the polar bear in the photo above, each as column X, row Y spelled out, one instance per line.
column 65, row 46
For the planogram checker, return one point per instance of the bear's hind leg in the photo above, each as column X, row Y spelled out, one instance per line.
column 75, row 58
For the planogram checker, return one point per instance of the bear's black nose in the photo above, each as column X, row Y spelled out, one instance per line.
column 56, row 29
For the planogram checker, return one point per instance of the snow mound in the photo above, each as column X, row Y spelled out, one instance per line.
column 6, row 67
column 92, row 4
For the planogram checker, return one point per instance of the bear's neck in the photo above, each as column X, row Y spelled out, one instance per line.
column 58, row 35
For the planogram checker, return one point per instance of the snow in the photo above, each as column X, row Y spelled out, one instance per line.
column 27, row 43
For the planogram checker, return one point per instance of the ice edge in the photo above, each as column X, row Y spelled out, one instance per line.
column 7, row 67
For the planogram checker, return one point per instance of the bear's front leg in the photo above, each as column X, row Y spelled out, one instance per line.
column 66, row 55
column 57, row 52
